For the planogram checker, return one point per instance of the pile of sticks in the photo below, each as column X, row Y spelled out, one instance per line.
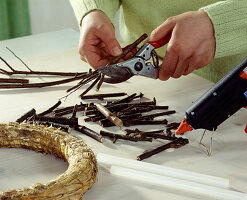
column 130, row 110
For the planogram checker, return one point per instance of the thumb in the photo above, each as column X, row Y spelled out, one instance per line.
column 109, row 39
column 163, row 30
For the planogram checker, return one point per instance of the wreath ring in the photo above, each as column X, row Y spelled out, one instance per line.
column 73, row 183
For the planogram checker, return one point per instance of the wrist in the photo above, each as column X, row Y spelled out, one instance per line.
column 93, row 15
column 207, row 19
column 97, row 19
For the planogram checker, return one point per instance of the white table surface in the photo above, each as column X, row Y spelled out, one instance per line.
column 19, row 168
column 40, row 43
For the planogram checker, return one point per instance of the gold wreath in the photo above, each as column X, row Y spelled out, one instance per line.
column 73, row 183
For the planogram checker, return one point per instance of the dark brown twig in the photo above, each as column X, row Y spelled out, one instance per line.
column 174, row 144
column 69, row 109
column 170, row 127
column 91, row 86
column 127, row 123
column 87, row 78
column 138, row 110
column 102, row 96
column 15, row 72
column 19, row 59
column 65, row 128
column 49, row 110
column 114, row 137
column 90, row 133
column 151, row 116
column 126, row 109
column 102, row 77
column 161, row 107
column 144, row 122
column 157, row 136
column 173, row 125
column 125, row 100
column 130, row 116
column 74, row 111
column 94, row 118
column 8, row 65
column 129, row 48
column 13, row 80
column 39, row 85
column 24, row 117
column 73, row 122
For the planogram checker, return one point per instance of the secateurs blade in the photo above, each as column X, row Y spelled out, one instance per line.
column 139, row 64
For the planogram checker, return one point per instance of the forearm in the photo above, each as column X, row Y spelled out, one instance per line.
column 82, row 7
column 229, row 18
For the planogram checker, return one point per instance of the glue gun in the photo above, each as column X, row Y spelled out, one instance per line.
column 219, row 103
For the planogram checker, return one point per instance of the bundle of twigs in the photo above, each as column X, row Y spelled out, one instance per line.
column 96, row 77
column 11, row 83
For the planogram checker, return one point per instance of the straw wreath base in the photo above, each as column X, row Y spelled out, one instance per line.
column 73, row 183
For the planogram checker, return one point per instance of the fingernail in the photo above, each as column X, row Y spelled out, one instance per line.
column 116, row 51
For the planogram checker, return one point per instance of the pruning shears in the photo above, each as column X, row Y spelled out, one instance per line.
column 139, row 64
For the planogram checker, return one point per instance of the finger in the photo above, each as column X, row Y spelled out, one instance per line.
column 82, row 58
column 108, row 37
column 181, row 67
column 168, row 66
column 87, row 51
column 93, row 51
column 100, row 62
column 97, row 55
column 194, row 63
column 103, row 52
column 163, row 30
column 189, row 69
column 186, row 68
column 94, row 58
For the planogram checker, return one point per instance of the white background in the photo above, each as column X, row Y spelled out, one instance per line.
column 47, row 15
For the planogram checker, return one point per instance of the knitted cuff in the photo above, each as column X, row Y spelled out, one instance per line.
column 83, row 7
column 229, row 20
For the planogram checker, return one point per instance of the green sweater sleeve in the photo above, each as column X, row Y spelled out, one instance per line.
column 82, row 7
column 229, row 18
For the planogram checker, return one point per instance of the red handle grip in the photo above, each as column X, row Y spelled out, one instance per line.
column 161, row 42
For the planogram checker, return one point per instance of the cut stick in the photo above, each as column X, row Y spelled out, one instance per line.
column 109, row 115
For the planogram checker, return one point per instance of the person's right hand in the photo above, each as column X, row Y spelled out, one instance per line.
column 98, row 44
column 192, row 44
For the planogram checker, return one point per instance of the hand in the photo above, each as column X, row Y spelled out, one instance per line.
column 192, row 43
column 98, row 44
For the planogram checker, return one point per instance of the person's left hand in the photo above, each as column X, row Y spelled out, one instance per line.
column 192, row 44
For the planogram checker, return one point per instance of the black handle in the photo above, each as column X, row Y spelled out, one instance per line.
column 220, row 102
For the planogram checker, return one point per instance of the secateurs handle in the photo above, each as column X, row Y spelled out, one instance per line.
column 161, row 42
